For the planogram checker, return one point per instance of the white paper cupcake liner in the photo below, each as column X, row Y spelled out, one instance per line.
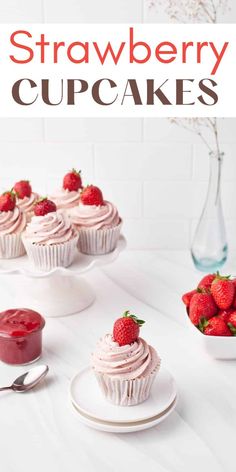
column 56, row 255
column 127, row 392
column 11, row 246
column 98, row 241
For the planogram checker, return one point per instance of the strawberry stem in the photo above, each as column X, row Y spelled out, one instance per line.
column 221, row 277
column 41, row 199
column 203, row 323
column 202, row 290
column 10, row 192
column 232, row 328
column 127, row 314
column 74, row 171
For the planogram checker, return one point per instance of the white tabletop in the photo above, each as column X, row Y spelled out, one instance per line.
column 40, row 430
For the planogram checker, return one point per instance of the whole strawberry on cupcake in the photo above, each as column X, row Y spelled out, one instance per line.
column 12, row 224
column 212, row 305
column 25, row 197
column 97, row 221
column 67, row 197
column 124, row 364
column 49, row 239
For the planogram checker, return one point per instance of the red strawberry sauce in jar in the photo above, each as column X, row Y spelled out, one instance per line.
column 20, row 336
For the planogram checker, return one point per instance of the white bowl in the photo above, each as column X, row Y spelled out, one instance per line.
column 218, row 347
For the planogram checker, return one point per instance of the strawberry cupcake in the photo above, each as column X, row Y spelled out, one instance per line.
column 97, row 221
column 67, row 197
column 124, row 364
column 50, row 240
column 12, row 224
column 26, row 199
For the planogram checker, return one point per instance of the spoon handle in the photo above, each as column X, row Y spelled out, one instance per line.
column 5, row 388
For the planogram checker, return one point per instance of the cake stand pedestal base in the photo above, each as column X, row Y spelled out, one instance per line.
column 53, row 296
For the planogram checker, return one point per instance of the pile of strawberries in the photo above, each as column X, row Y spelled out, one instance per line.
column 212, row 305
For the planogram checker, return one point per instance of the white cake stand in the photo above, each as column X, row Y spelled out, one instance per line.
column 59, row 292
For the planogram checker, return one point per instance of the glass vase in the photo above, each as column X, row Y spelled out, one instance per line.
column 209, row 247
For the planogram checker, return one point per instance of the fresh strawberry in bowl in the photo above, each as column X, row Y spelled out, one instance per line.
column 232, row 322
column 202, row 305
column 223, row 291
column 211, row 314
column 187, row 297
column 205, row 282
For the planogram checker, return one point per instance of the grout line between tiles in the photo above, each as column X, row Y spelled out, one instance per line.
column 44, row 130
column 93, row 155
column 43, row 11
column 143, row 10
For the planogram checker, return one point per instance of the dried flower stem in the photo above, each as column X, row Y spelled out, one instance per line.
column 197, row 126
column 197, row 11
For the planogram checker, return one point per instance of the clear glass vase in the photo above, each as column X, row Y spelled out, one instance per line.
column 209, row 247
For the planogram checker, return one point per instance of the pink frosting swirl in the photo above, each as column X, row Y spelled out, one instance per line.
column 65, row 199
column 26, row 204
column 98, row 217
column 127, row 362
column 53, row 228
column 12, row 222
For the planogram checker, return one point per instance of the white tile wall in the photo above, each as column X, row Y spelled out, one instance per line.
column 152, row 233
column 155, row 172
column 129, row 194
column 21, row 11
column 96, row 11
column 43, row 162
column 121, row 130
column 15, row 130
column 229, row 163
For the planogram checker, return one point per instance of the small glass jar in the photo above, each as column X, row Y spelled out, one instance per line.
column 20, row 336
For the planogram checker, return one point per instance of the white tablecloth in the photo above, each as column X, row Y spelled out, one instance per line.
column 40, row 430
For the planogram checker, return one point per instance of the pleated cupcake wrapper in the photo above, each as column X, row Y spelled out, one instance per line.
column 127, row 392
column 11, row 246
column 98, row 241
column 56, row 255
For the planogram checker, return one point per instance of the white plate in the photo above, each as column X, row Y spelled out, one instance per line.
column 125, row 427
column 89, row 401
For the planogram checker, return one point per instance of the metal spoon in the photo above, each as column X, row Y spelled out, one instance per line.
column 28, row 380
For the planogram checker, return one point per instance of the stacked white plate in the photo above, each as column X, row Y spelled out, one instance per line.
column 95, row 411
